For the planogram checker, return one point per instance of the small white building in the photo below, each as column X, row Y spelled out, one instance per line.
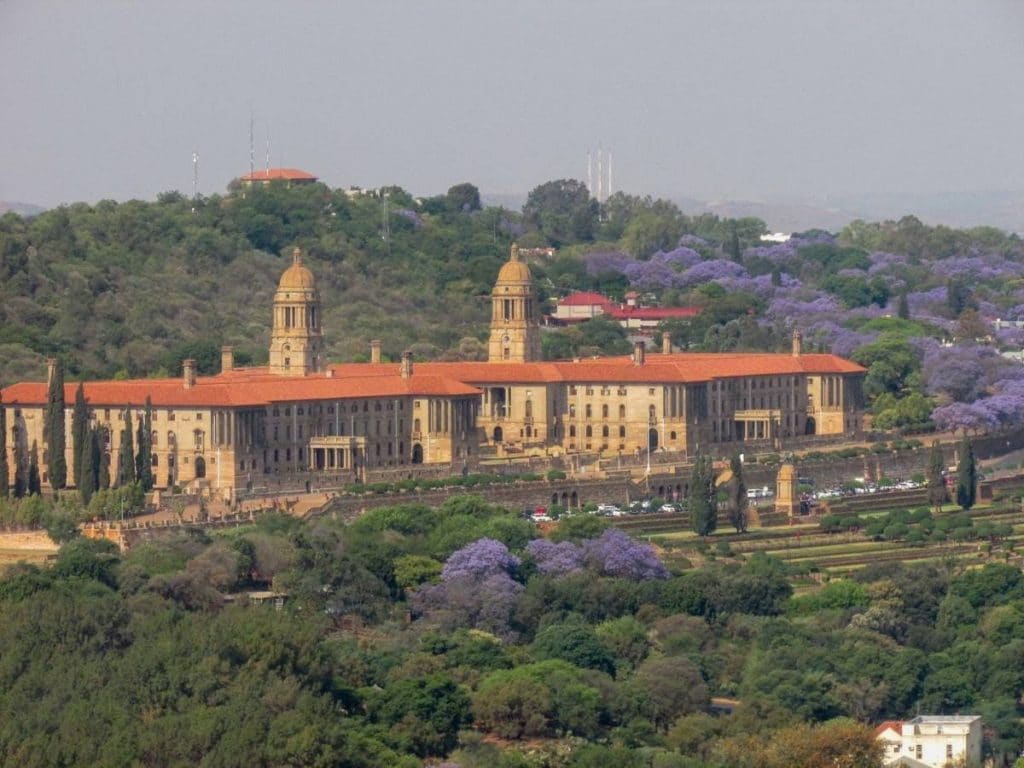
column 932, row 741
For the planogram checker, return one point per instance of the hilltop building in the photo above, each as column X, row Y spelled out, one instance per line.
column 581, row 306
column 301, row 421
column 288, row 176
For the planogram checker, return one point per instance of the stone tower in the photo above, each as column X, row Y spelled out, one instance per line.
column 515, row 318
column 296, row 341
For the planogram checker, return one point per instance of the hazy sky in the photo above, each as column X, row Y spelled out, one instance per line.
column 769, row 99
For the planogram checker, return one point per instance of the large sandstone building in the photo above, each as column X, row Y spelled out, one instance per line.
column 301, row 421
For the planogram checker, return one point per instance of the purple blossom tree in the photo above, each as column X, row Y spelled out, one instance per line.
column 616, row 554
column 478, row 560
column 955, row 372
column 555, row 559
column 476, row 590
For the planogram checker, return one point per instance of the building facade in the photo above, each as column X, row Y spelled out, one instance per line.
column 932, row 741
column 299, row 417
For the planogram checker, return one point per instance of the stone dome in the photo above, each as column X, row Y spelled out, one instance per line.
column 514, row 270
column 297, row 277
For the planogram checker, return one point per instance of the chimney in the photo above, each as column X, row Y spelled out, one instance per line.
column 666, row 344
column 406, row 364
column 51, row 369
column 375, row 351
column 798, row 343
column 188, row 368
column 639, row 352
column 227, row 359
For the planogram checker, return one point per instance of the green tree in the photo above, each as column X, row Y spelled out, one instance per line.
column 101, row 458
column 20, row 467
column 937, row 494
column 703, row 508
column 890, row 361
column 575, row 642
column 737, row 493
column 903, row 310
column 966, row 476
column 90, row 465
column 126, row 453
column 463, row 198
column 5, row 475
column 424, row 713
column 144, row 440
column 958, row 296
column 563, row 211
column 53, row 425
column 79, row 433
column 35, row 487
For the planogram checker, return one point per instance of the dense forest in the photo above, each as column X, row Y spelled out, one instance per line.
column 130, row 289
column 456, row 637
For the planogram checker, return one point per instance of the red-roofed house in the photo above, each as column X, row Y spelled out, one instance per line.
column 585, row 305
column 299, row 421
column 287, row 176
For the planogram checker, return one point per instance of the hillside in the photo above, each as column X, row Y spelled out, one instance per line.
column 130, row 289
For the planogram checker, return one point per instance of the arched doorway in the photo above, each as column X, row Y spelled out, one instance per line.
column 652, row 439
column 811, row 427
column 417, row 453
column 200, row 467
column 498, row 435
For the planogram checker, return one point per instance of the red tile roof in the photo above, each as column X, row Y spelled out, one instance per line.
column 592, row 299
column 279, row 174
column 254, row 387
column 243, row 388
column 896, row 725
column 585, row 299
column 680, row 367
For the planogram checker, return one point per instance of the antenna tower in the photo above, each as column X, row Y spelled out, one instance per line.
column 195, row 179
column 605, row 187
column 268, row 150
column 252, row 146
column 386, row 225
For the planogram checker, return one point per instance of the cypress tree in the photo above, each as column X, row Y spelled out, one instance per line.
column 101, row 460
column 737, row 495
column 126, row 454
column 937, row 494
column 20, row 467
column 703, row 511
column 734, row 245
column 90, row 456
column 144, row 440
column 5, row 475
column 35, row 487
column 903, row 310
column 54, row 428
column 80, row 436
column 966, row 476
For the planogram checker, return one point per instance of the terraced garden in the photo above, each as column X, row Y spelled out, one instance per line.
column 816, row 554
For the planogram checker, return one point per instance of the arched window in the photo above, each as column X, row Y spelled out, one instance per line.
column 622, row 411
column 590, row 431
column 604, row 411
column 651, row 412
column 529, row 409
column 622, row 431
column 589, row 410
column 152, row 439
column 604, row 431
column 572, row 430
